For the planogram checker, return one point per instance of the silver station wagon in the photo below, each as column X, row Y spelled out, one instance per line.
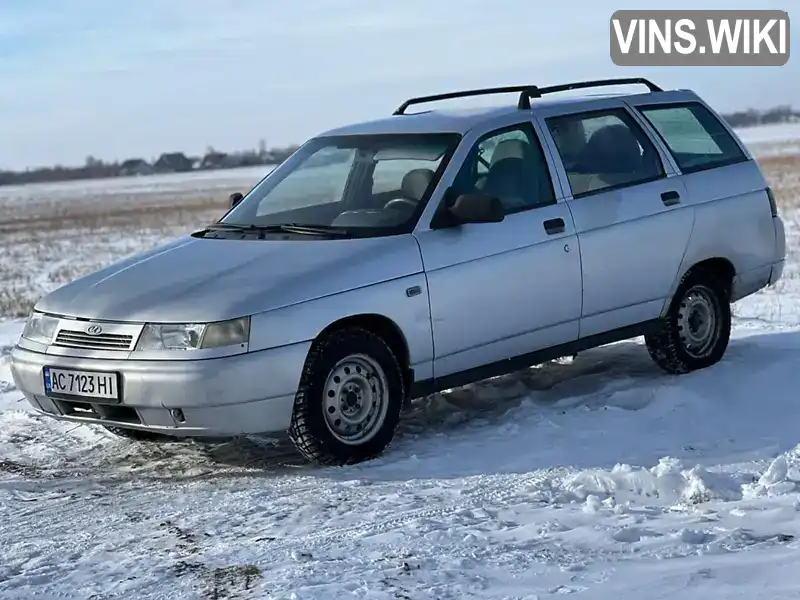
column 388, row 260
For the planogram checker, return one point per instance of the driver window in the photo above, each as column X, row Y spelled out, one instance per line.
column 508, row 163
column 487, row 147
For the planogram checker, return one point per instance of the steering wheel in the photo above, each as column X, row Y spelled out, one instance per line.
column 400, row 203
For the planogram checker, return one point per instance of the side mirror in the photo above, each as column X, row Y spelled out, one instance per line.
column 235, row 198
column 477, row 208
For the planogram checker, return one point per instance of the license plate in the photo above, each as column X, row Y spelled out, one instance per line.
column 81, row 384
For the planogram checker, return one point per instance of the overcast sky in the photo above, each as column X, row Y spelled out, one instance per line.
column 116, row 79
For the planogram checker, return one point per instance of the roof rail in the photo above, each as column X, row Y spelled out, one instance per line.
column 527, row 91
column 534, row 92
column 463, row 94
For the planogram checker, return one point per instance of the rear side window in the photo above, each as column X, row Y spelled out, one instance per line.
column 695, row 137
column 604, row 150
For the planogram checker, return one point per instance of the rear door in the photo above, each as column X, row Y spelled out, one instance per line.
column 631, row 211
column 734, row 217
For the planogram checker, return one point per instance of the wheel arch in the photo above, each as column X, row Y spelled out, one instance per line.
column 385, row 328
column 720, row 267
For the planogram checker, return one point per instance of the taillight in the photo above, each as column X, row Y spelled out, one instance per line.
column 772, row 205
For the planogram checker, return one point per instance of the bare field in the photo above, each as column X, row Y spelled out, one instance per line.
column 783, row 174
column 51, row 234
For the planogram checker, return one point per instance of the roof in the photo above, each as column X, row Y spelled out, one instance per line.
column 531, row 98
column 452, row 120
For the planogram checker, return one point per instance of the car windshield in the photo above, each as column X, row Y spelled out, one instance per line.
column 369, row 184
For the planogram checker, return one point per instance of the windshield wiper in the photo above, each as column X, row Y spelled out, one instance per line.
column 281, row 228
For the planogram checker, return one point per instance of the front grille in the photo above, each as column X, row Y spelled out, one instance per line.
column 105, row 341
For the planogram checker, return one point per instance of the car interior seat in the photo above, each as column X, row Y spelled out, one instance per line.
column 516, row 177
column 612, row 157
column 415, row 183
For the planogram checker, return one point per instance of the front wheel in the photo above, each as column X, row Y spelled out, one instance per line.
column 697, row 328
column 347, row 406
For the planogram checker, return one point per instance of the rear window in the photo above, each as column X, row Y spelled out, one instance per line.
column 695, row 137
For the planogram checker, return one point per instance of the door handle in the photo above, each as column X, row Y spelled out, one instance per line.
column 670, row 198
column 553, row 226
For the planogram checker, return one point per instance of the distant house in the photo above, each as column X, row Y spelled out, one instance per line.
column 135, row 166
column 172, row 162
column 214, row 160
column 248, row 159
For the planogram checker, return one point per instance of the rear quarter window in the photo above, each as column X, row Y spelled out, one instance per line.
column 694, row 135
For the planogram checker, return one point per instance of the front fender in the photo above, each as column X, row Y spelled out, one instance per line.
column 303, row 322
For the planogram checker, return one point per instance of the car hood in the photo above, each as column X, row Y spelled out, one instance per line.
column 200, row 280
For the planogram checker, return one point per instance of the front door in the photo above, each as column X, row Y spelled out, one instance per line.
column 499, row 290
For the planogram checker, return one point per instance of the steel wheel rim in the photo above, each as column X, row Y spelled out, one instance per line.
column 355, row 399
column 699, row 321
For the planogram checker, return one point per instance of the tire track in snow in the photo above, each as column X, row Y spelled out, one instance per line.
column 497, row 491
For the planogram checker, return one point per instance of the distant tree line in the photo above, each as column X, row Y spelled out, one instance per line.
column 168, row 162
column 178, row 162
column 753, row 118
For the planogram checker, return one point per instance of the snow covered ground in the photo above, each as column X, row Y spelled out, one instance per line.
column 772, row 140
column 603, row 476
column 600, row 477
column 764, row 134
column 223, row 181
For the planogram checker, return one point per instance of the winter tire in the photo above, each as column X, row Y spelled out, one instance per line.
column 348, row 403
column 696, row 330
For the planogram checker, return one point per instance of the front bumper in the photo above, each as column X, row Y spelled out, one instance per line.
column 235, row 395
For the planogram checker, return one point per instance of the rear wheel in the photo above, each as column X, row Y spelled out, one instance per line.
column 348, row 403
column 695, row 333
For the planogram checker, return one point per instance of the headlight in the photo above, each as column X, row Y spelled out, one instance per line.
column 40, row 328
column 194, row 336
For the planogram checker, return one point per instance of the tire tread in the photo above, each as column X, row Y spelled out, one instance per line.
column 664, row 345
column 306, row 407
